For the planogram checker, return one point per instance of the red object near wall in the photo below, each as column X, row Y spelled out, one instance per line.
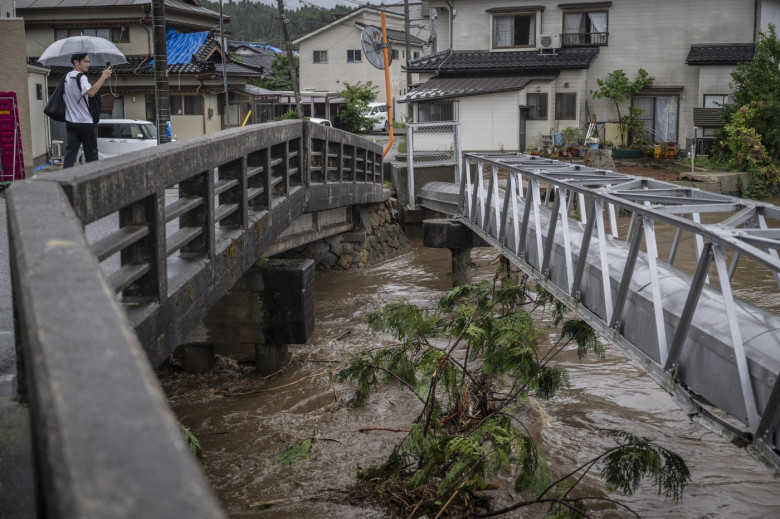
column 11, row 157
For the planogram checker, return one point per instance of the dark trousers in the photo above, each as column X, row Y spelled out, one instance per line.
column 80, row 134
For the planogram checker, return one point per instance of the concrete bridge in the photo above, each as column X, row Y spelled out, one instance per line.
column 95, row 311
column 560, row 223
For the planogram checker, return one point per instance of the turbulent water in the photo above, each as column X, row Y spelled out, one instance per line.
column 242, row 434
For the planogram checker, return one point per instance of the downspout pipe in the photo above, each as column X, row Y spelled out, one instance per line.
column 450, row 9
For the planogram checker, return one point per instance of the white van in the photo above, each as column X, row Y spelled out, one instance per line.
column 377, row 112
column 118, row 136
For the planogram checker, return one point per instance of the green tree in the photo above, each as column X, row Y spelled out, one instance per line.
column 280, row 79
column 618, row 88
column 258, row 22
column 356, row 98
column 472, row 362
column 758, row 81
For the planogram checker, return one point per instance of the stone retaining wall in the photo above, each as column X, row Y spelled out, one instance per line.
column 375, row 235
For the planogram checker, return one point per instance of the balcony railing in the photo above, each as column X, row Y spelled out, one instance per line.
column 585, row 39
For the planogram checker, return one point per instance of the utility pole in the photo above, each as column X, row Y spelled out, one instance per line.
column 407, row 29
column 223, row 46
column 290, row 60
column 162, row 101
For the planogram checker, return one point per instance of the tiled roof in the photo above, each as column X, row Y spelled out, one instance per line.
column 484, row 61
column 197, row 64
column 720, row 53
column 176, row 5
column 401, row 36
column 444, row 87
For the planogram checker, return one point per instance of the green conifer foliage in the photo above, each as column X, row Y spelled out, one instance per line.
column 473, row 361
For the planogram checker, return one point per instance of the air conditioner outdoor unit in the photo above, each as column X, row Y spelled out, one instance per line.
column 550, row 41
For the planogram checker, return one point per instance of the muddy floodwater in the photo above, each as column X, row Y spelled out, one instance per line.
column 244, row 421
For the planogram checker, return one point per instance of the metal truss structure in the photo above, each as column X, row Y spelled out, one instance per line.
column 591, row 237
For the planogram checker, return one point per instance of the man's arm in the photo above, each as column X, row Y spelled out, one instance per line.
column 99, row 83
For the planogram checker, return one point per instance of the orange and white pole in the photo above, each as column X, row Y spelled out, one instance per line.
column 386, row 50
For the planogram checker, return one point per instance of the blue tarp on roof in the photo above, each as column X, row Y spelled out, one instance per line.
column 261, row 46
column 180, row 47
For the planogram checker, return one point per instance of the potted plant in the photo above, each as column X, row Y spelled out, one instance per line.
column 618, row 88
column 571, row 140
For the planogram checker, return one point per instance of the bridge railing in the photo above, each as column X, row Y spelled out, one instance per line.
column 591, row 237
column 174, row 227
column 432, row 144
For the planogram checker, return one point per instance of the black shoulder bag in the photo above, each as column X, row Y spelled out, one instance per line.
column 55, row 108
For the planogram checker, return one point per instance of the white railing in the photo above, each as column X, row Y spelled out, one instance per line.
column 591, row 237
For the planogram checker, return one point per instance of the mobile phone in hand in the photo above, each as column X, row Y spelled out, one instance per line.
column 108, row 64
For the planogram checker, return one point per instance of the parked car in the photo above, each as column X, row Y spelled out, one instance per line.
column 377, row 112
column 118, row 136
column 324, row 122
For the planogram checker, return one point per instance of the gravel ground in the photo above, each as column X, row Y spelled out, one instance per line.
column 665, row 175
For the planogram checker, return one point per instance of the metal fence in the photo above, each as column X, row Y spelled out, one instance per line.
column 430, row 145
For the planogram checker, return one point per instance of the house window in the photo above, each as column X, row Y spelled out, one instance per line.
column 565, row 106
column 415, row 55
column 538, row 106
column 659, row 116
column 186, row 105
column 354, row 56
column 718, row 101
column 435, row 111
column 38, row 91
column 585, row 29
column 514, row 31
column 60, row 34
column 120, row 34
column 395, row 54
column 320, row 56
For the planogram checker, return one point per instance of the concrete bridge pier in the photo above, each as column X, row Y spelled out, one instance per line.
column 271, row 306
column 450, row 234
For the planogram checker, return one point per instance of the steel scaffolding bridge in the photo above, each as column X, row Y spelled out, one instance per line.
column 590, row 237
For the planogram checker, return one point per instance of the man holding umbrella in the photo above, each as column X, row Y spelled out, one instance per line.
column 81, row 130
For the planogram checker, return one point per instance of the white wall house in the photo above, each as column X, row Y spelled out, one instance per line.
column 513, row 70
column 333, row 55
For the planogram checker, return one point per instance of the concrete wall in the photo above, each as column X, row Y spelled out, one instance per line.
column 7, row 9
column 490, row 122
column 39, row 122
column 14, row 79
column 140, row 36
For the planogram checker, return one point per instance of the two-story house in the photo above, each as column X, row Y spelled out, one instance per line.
column 333, row 55
column 512, row 71
column 197, row 66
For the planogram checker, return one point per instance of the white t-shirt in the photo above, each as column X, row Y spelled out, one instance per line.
column 76, row 104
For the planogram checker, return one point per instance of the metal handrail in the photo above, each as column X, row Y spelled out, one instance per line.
column 585, row 39
column 106, row 443
column 662, row 317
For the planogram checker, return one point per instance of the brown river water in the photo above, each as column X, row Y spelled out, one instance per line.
column 242, row 435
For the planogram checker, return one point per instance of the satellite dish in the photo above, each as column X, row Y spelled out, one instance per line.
column 372, row 47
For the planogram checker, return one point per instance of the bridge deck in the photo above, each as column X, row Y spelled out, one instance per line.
column 685, row 328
